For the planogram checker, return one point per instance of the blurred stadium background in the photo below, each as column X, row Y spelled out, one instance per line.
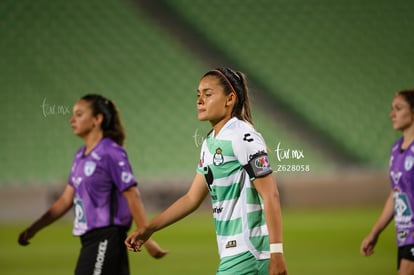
column 322, row 76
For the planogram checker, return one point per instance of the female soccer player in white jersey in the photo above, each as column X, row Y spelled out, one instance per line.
column 400, row 203
column 102, row 190
column 235, row 170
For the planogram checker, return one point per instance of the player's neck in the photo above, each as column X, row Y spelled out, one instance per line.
column 91, row 140
column 218, row 125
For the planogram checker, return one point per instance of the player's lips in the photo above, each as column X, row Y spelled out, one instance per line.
column 201, row 110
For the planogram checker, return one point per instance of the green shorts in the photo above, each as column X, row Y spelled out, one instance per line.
column 244, row 263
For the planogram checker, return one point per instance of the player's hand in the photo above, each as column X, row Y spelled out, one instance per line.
column 277, row 264
column 25, row 236
column 154, row 249
column 136, row 239
column 368, row 245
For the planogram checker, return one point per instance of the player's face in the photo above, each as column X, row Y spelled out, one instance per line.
column 83, row 121
column 401, row 115
column 212, row 103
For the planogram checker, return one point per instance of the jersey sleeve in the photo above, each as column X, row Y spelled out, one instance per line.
column 247, row 145
column 201, row 167
column 251, row 151
column 120, row 169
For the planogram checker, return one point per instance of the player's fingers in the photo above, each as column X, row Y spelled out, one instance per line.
column 137, row 247
column 365, row 246
column 23, row 239
column 23, row 242
column 130, row 245
column 363, row 250
column 367, row 250
column 130, row 240
column 131, row 248
column 370, row 251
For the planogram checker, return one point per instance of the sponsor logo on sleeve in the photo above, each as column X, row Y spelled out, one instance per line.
column 126, row 177
column 262, row 162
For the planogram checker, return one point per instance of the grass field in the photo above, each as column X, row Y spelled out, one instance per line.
column 317, row 241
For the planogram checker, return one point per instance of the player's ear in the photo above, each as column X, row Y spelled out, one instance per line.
column 231, row 99
column 99, row 119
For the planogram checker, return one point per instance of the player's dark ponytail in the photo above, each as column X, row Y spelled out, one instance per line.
column 235, row 81
column 408, row 95
column 111, row 124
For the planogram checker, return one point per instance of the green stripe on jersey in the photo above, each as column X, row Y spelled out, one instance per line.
column 253, row 219
column 260, row 242
column 252, row 196
column 228, row 227
column 225, row 145
column 225, row 193
column 226, row 169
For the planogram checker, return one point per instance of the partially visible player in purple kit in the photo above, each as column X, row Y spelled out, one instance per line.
column 103, row 191
column 400, row 202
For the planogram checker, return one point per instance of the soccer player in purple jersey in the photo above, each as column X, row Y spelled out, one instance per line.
column 102, row 190
column 400, row 202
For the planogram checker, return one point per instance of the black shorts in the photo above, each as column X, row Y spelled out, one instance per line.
column 405, row 252
column 103, row 252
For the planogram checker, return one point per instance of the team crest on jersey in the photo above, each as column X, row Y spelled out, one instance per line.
column 89, row 168
column 218, row 158
column 408, row 163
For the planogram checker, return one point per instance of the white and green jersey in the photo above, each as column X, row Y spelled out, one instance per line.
column 237, row 207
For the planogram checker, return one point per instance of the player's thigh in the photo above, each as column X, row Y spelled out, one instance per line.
column 406, row 267
column 103, row 252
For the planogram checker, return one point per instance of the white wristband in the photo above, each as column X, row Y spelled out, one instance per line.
column 276, row 248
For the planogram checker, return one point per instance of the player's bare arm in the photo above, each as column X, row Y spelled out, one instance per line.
column 178, row 210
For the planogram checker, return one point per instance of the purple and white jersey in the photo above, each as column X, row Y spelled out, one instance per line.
column 402, row 183
column 99, row 179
